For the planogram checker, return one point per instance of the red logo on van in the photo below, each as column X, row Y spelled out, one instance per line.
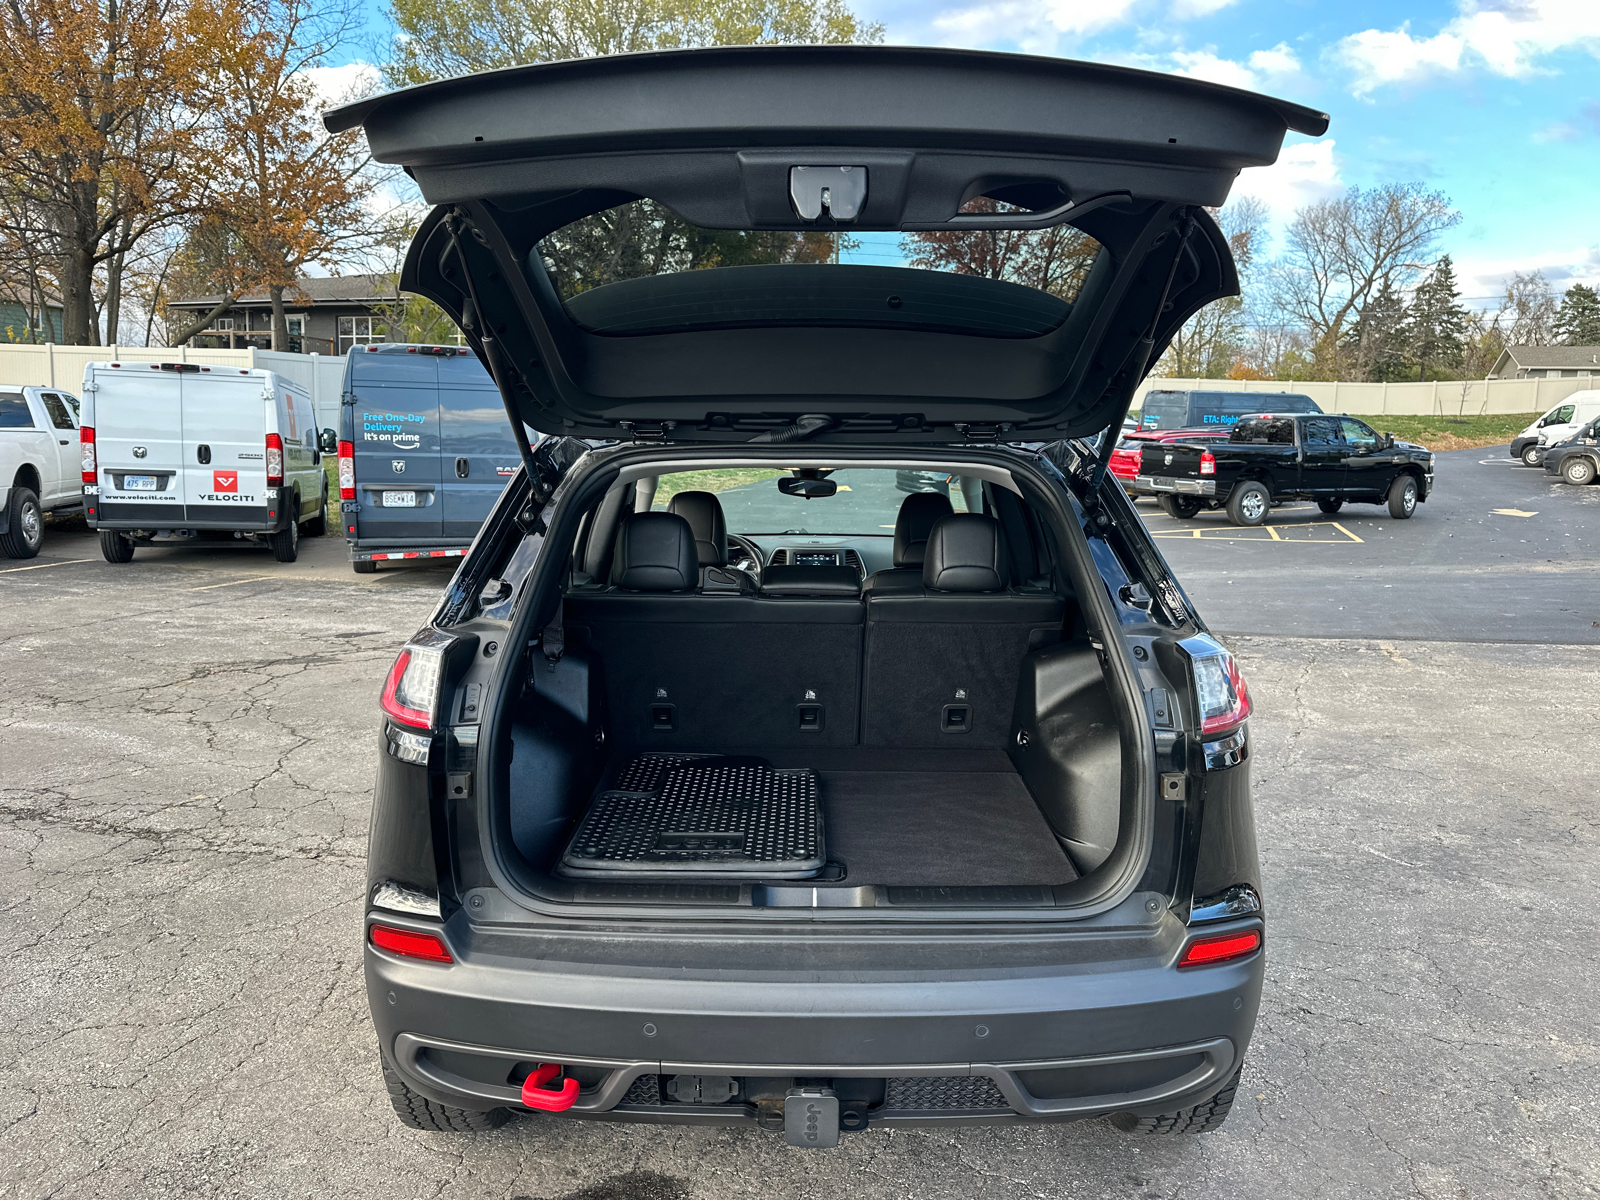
column 225, row 481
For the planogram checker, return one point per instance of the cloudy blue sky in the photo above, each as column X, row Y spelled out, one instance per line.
column 1494, row 102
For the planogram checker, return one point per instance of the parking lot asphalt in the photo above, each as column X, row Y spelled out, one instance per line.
column 185, row 765
column 1500, row 552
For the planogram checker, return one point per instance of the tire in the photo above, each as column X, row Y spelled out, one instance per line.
column 1403, row 497
column 318, row 525
column 1249, row 503
column 286, row 543
column 364, row 568
column 1578, row 470
column 1531, row 456
column 419, row 1112
column 1330, row 506
column 1202, row 1118
column 25, row 534
column 115, row 547
column 1179, row 507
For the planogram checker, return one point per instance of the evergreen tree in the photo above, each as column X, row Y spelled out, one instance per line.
column 1578, row 322
column 1375, row 345
column 1437, row 323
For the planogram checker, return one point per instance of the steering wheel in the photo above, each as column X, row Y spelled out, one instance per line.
column 744, row 555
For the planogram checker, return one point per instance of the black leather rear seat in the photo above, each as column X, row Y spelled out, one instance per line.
column 943, row 659
column 919, row 513
column 686, row 669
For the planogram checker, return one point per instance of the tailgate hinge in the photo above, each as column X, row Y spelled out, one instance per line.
column 983, row 432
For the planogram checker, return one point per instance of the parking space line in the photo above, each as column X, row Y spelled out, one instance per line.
column 231, row 582
column 41, row 566
column 1274, row 533
column 1346, row 532
column 1262, row 533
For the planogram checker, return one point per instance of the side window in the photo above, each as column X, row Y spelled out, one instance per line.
column 1560, row 416
column 1323, row 430
column 14, row 412
column 1358, row 434
column 57, row 408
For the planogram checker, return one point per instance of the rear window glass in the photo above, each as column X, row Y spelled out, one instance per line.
column 14, row 412
column 1164, row 410
column 640, row 268
column 1264, row 431
column 866, row 504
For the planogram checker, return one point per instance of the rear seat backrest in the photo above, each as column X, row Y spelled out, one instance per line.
column 919, row 512
column 690, row 670
column 943, row 661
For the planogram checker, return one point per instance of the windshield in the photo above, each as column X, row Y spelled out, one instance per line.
column 866, row 504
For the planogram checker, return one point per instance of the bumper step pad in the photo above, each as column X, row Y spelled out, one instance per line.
column 701, row 815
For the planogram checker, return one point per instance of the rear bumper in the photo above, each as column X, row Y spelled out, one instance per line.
column 134, row 516
column 1040, row 1044
column 1156, row 484
column 371, row 553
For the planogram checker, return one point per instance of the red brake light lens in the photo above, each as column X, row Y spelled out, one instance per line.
column 347, row 471
column 274, row 460
column 408, row 944
column 412, row 689
column 1224, row 948
column 1219, row 687
column 86, row 441
column 1208, row 463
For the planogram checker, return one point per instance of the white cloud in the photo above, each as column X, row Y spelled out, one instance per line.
column 1189, row 10
column 1304, row 173
column 1033, row 26
column 1264, row 69
column 1504, row 37
column 1483, row 280
column 340, row 85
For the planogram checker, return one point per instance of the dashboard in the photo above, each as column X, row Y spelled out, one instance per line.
column 865, row 554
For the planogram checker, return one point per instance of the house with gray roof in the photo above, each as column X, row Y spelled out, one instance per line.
column 327, row 315
column 1547, row 362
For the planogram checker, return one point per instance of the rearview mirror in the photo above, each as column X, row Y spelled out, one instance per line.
column 807, row 489
column 328, row 443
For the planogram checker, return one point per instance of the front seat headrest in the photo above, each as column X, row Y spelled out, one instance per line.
column 703, row 511
column 655, row 553
column 964, row 555
column 918, row 514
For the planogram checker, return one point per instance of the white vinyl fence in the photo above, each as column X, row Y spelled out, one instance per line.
column 1450, row 398
column 62, row 366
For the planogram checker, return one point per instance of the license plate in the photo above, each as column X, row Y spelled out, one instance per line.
column 139, row 483
column 399, row 499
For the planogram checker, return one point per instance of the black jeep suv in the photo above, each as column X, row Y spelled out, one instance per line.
column 730, row 783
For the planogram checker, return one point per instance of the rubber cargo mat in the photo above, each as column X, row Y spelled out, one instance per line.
column 701, row 814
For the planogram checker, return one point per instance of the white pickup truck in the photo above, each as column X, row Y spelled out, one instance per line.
column 40, row 464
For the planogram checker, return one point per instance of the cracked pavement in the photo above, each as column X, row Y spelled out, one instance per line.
column 184, row 780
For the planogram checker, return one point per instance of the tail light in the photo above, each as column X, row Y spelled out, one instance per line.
column 409, row 944
column 1208, row 463
column 1223, row 697
column 86, row 443
column 347, row 471
column 1223, row 948
column 411, row 693
column 274, row 460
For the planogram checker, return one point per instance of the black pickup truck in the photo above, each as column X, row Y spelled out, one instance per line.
column 1268, row 458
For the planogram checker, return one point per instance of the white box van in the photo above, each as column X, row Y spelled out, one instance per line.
column 1557, row 425
column 174, row 451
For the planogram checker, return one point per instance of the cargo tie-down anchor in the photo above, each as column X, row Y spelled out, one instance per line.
column 536, row 1095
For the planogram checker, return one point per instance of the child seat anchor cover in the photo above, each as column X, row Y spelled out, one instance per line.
column 701, row 814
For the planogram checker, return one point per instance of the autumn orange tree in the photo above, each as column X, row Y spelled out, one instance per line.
column 97, row 134
column 286, row 194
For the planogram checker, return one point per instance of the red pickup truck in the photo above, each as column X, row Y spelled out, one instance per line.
column 1125, row 458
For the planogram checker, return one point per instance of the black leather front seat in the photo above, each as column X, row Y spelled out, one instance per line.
column 919, row 513
column 703, row 511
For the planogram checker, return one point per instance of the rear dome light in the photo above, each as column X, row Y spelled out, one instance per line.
column 1220, row 690
column 86, row 442
column 1223, row 948
column 1208, row 463
column 408, row 944
column 347, row 471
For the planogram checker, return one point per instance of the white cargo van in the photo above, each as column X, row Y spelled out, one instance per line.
column 179, row 451
column 1557, row 425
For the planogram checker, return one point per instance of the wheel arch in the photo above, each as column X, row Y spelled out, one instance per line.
column 28, row 476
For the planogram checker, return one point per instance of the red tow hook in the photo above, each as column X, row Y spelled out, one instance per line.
column 536, row 1095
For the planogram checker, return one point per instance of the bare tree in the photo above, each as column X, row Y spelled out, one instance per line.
column 1528, row 311
column 1211, row 342
column 1345, row 251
